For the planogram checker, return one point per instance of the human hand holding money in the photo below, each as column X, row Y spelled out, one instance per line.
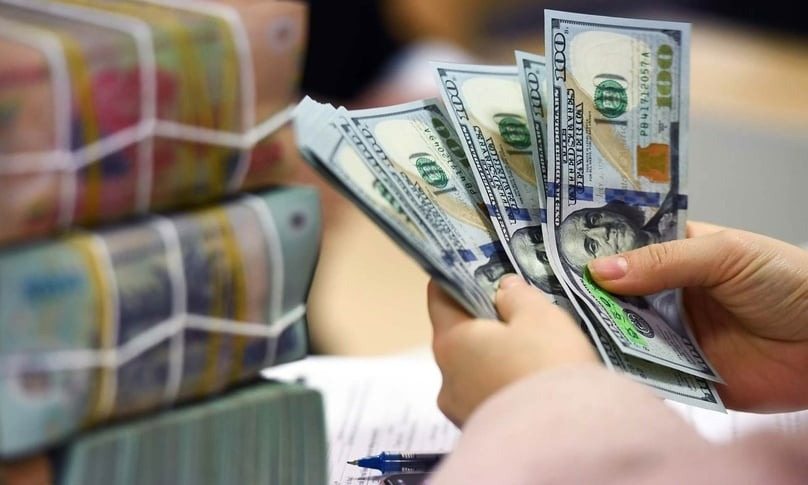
column 741, row 319
column 580, row 160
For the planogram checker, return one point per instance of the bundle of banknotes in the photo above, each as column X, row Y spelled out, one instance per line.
column 270, row 433
column 265, row 434
column 132, row 318
column 133, row 106
column 535, row 168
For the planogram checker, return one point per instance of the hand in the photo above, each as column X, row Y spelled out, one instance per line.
column 746, row 296
column 477, row 357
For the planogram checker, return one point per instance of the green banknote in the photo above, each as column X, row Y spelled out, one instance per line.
column 332, row 147
column 488, row 111
column 506, row 149
column 617, row 166
column 424, row 161
column 546, row 165
column 668, row 382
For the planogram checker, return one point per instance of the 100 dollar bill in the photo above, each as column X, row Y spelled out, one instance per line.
column 488, row 111
column 667, row 382
column 487, row 108
column 617, row 168
column 425, row 163
column 326, row 144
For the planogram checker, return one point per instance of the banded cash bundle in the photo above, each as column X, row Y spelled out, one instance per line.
column 270, row 433
column 264, row 434
column 579, row 156
column 114, row 108
column 99, row 326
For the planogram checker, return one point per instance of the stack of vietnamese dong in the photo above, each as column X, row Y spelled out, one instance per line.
column 108, row 109
column 536, row 168
column 161, row 129
column 129, row 318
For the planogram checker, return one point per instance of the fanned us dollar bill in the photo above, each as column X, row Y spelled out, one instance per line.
column 488, row 111
column 329, row 143
column 424, row 162
column 665, row 381
column 669, row 383
column 617, row 123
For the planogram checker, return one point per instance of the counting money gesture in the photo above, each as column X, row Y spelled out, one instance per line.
column 617, row 175
column 487, row 106
column 747, row 299
column 477, row 357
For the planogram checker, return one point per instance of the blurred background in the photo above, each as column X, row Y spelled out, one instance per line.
column 747, row 137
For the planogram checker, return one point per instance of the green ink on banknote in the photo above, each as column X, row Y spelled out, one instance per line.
column 447, row 134
column 431, row 172
column 614, row 310
column 457, row 150
column 441, row 128
column 514, row 131
column 664, row 79
column 611, row 98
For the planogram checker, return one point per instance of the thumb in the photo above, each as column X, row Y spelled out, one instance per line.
column 702, row 261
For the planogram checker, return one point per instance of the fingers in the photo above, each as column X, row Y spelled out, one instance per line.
column 444, row 311
column 516, row 301
column 707, row 260
column 477, row 357
column 557, row 339
column 698, row 229
column 519, row 302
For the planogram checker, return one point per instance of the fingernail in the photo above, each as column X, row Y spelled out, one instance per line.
column 609, row 268
column 510, row 281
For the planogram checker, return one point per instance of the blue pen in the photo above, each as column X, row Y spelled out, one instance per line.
column 387, row 462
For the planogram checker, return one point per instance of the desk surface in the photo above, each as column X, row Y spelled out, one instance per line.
column 749, row 113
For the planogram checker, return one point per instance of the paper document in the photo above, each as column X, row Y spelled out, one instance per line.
column 388, row 403
column 374, row 404
column 721, row 428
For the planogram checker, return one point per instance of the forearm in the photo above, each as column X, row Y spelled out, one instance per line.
column 581, row 424
column 586, row 424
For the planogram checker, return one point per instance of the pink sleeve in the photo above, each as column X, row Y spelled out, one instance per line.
column 586, row 424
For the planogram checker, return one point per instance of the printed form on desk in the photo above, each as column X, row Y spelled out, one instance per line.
column 388, row 403
column 374, row 404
